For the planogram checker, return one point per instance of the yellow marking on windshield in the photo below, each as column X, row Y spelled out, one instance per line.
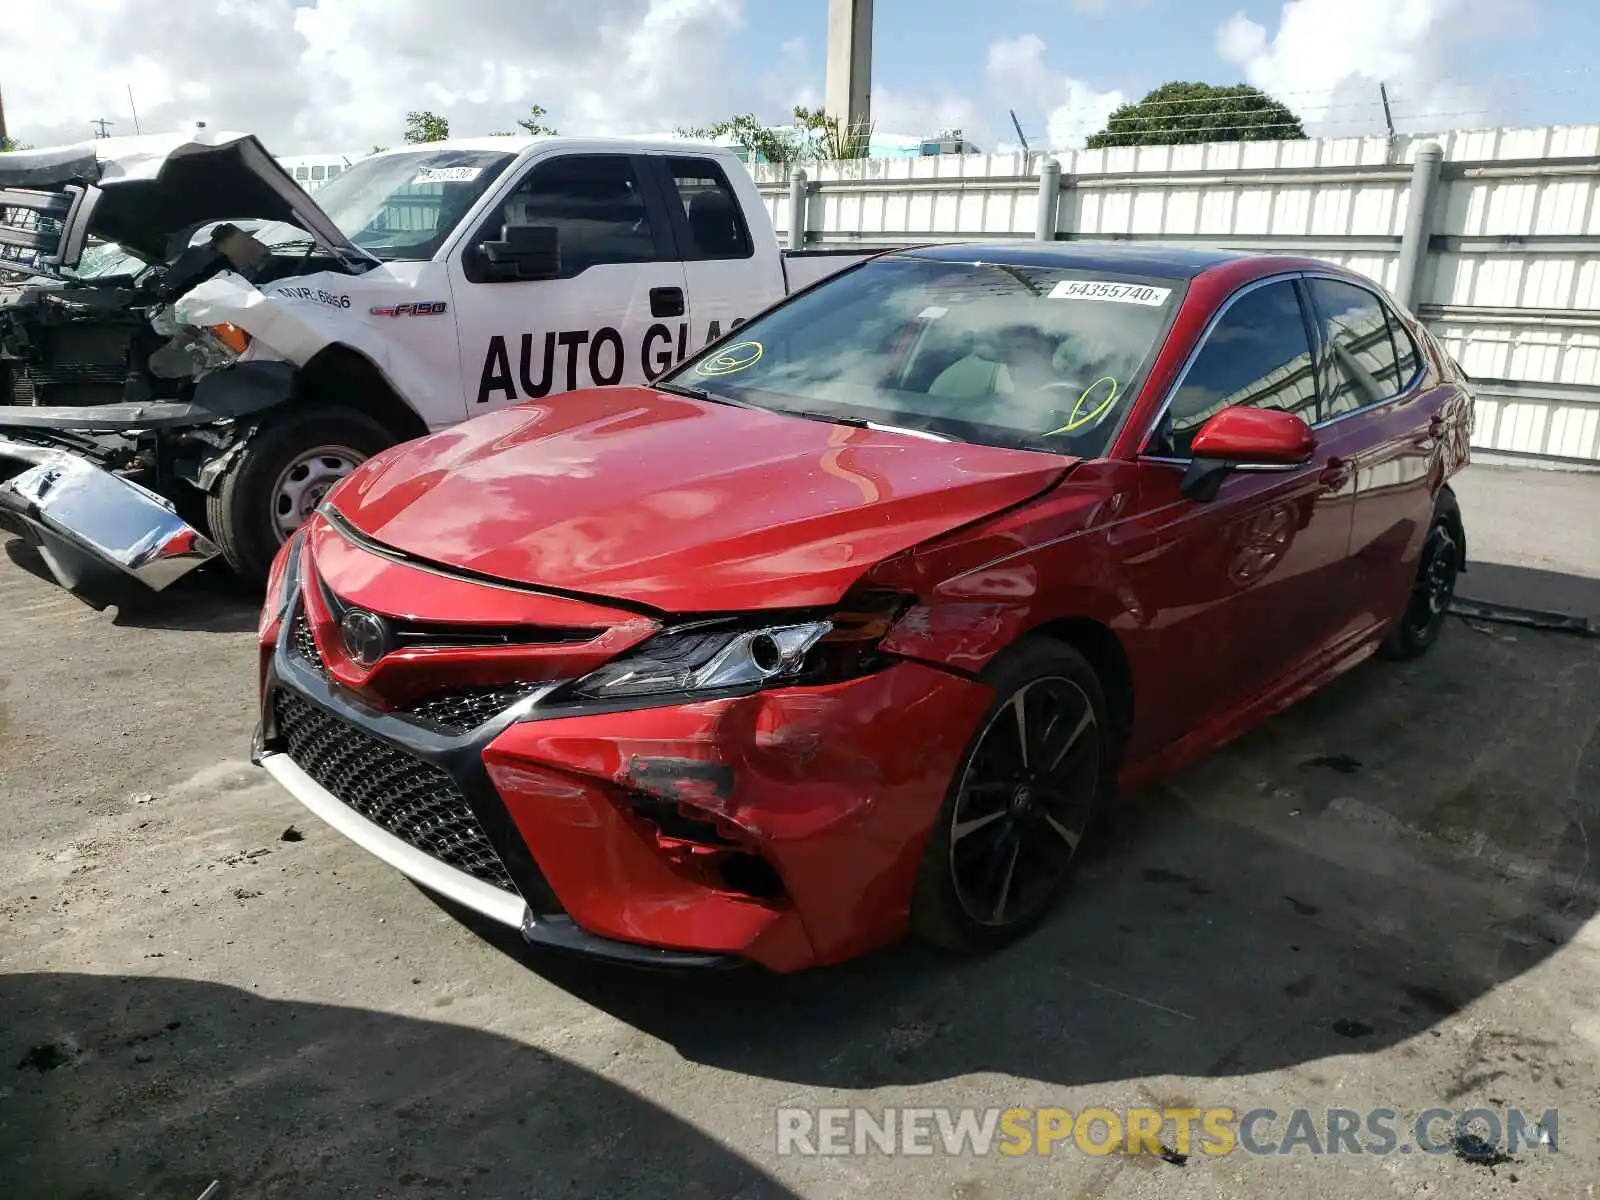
column 731, row 360
column 1078, row 418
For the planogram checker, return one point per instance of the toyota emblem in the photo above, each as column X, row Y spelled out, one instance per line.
column 364, row 636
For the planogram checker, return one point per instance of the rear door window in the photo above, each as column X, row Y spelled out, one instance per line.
column 715, row 223
column 1359, row 365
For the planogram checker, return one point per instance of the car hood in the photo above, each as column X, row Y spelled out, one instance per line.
column 155, row 186
column 677, row 504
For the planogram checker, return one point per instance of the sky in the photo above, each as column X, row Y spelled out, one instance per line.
column 339, row 75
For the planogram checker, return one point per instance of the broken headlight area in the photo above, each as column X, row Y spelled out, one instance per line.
column 720, row 656
column 189, row 352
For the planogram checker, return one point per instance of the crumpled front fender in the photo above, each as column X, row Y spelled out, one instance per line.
column 240, row 390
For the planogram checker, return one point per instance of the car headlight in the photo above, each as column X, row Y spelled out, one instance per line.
column 280, row 581
column 730, row 655
column 697, row 658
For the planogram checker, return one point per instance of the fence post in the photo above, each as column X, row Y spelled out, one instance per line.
column 1049, row 199
column 797, row 209
column 1418, row 232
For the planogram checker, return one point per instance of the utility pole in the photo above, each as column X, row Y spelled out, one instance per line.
column 848, row 88
column 5, row 140
column 101, row 123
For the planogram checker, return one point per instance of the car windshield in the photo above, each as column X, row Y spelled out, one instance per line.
column 403, row 206
column 1035, row 357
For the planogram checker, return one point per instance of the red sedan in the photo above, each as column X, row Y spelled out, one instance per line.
column 847, row 626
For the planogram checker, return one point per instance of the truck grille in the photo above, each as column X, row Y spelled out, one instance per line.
column 415, row 801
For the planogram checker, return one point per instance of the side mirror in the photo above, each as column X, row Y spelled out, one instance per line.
column 524, row 252
column 1245, row 439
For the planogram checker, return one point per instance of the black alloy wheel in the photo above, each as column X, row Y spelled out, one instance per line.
column 1439, row 568
column 1020, row 805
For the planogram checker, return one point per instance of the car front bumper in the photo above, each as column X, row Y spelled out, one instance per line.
column 783, row 828
column 104, row 538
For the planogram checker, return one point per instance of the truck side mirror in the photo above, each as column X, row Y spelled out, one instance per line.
column 524, row 252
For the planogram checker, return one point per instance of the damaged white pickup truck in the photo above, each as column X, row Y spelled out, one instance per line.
column 260, row 344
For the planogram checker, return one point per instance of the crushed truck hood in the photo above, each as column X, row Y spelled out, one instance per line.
column 155, row 186
column 674, row 503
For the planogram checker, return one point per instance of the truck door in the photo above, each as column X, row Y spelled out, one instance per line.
column 610, row 309
column 728, row 283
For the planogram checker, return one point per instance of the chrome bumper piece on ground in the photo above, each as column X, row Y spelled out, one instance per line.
column 104, row 538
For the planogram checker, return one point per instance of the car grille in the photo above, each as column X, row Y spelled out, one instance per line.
column 458, row 710
column 465, row 709
column 415, row 801
column 304, row 646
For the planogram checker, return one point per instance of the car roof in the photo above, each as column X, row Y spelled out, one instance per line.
column 1131, row 258
column 517, row 144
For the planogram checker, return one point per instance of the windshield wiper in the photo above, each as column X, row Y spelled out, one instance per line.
column 862, row 423
column 694, row 393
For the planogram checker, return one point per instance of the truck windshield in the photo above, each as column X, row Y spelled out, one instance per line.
column 403, row 206
column 1033, row 357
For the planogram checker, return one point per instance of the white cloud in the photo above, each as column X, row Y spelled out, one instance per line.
column 1327, row 58
column 1072, row 109
column 340, row 74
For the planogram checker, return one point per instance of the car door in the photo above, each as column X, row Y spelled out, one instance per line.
column 723, row 277
column 616, row 301
column 1373, row 381
column 1238, row 591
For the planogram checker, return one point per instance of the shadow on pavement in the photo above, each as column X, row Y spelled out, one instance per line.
column 208, row 600
column 117, row 1086
column 1526, row 594
column 1378, row 857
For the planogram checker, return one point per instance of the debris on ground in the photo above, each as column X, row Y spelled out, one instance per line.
column 1350, row 1028
column 291, row 834
column 1469, row 1147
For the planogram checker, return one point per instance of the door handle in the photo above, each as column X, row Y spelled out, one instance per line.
column 1335, row 474
column 666, row 302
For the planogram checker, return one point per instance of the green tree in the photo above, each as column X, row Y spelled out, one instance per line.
column 828, row 139
column 1181, row 113
column 426, row 127
column 11, row 143
column 752, row 136
column 378, row 149
column 534, row 123
column 814, row 137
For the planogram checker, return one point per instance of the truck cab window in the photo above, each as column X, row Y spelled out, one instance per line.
column 595, row 203
column 715, row 221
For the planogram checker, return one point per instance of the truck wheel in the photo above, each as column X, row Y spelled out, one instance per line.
column 281, row 476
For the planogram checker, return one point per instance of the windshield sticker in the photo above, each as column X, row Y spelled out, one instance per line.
column 1090, row 408
column 1110, row 293
column 932, row 313
column 732, row 360
column 447, row 174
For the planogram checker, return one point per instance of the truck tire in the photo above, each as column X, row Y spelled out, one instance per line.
column 280, row 477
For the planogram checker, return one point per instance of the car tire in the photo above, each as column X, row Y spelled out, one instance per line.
column 279, row 478
column 1428, row 605
column 1000, row 809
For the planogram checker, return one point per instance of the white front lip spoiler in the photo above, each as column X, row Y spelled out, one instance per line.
column 480, row 897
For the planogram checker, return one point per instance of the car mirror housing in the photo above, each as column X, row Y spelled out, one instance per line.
column 1245, row 439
